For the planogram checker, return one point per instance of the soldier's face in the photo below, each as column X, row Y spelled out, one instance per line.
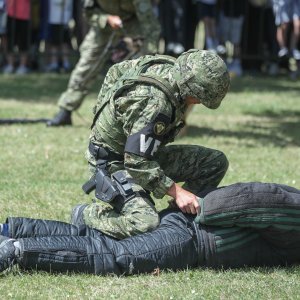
column 191, row 100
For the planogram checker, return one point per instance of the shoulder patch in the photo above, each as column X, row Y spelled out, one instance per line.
column 159, row 128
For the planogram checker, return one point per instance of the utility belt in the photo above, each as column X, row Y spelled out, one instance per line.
column 115, row 188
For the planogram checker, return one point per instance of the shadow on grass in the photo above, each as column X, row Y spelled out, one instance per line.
column 38, row 88
column 42, row 87
column 276, row 114
column 46, row 88
column 280, row 129
column 261, row 83
column 33, row 87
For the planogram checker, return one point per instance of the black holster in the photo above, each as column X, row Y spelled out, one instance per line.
column 113, row 189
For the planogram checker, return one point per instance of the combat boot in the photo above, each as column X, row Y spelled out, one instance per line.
column 7, row 253
column 62, row 118
column 77, row 214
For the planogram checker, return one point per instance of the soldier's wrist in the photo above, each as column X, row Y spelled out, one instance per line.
column 162, row 188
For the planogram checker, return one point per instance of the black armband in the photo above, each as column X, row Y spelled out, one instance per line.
column 145, row 143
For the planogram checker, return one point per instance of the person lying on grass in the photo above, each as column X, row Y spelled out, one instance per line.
column 244, row 224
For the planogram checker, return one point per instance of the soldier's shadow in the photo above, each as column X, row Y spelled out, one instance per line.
column 260, row 83
column 280, row 129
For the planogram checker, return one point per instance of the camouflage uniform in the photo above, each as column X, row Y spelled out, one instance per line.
column 138, row 20
column 139, row 121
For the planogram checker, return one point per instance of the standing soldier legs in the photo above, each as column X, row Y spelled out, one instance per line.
column 93, row 55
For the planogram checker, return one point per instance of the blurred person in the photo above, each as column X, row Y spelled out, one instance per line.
column 173, row 17
column 18, row 35
column 287, row 12
column 207, row 12
column 35, row 17
column 60, row 13
column 271, row 44
column 3, row 18
column 253, row 41
column 81, row 26
column 109, row 22
column 155, row 7
column 231, row 25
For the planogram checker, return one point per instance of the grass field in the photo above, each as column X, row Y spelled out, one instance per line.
column 42, row 170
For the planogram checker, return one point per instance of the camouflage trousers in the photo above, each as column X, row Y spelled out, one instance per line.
column 94, row 57
column 197, row 167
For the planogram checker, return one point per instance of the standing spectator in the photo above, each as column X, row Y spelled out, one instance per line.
column 207, row 10
column 173, row 18
column 178, row 20
column 35, row 38
column 231, row 24
column 270, row 40
column 155, row 7
column 81, row 26
column 18, row 34
column 287, row 12
column 2, row 27
column 60, row 14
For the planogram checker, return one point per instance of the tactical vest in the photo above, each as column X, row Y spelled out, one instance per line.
column 137, row 76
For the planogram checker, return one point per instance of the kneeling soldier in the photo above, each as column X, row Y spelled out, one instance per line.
column 139, row 110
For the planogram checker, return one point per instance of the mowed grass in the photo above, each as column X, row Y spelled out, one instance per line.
column 42, row 170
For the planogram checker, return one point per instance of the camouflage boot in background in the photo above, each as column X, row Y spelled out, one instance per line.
column 62, row 118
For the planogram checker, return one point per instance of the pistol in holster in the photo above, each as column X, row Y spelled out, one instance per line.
column 113, row 189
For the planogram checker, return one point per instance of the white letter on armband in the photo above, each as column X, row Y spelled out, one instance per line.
column 155, row 147
column 144, row 145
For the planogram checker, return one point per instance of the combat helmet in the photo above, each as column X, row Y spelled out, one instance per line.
column 203, row 75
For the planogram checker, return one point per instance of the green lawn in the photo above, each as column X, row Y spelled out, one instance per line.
column 42, row 170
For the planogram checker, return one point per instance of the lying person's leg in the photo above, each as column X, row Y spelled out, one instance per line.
column 59, row 254
column 25, row 227
column 171, row 246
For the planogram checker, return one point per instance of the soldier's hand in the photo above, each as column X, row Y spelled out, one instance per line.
column 114, row 22
column 185, row 200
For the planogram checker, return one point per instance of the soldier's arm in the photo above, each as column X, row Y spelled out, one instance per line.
column 96, row 16
column 149, row 25
column 144, row 121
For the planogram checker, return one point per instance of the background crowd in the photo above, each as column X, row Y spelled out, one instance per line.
column 251, row 35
